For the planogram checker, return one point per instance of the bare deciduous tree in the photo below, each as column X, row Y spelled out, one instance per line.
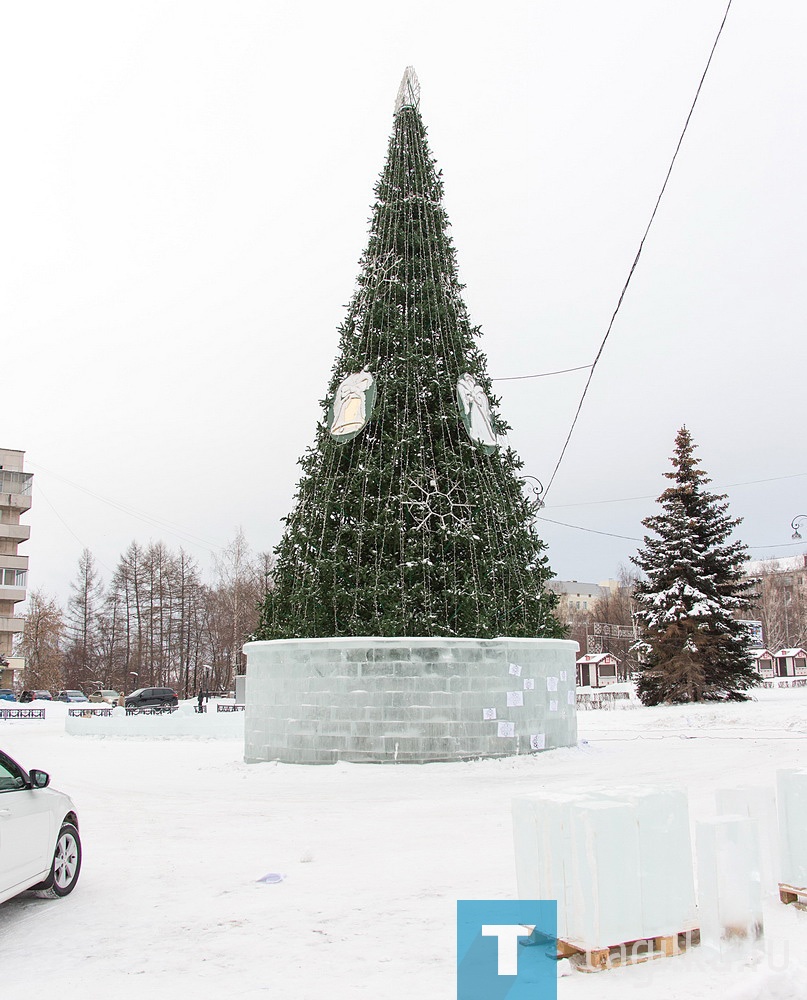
column 81, row 657
column 779, row 601
column 40, row 642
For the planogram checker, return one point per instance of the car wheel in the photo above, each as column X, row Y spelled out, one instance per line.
column 66, row 865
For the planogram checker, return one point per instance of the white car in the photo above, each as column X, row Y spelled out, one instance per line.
column 105, row 697
column 39, row 842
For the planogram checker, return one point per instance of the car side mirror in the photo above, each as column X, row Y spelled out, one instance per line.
column 39, row 779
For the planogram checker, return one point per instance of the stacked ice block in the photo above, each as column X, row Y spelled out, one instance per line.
column 619, row 863
column 792, row 796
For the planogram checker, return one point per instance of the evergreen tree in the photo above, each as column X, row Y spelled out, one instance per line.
column 693, row 648
column 416, row 524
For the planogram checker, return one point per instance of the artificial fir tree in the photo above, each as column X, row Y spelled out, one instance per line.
column 410, row 517
column 693, row 648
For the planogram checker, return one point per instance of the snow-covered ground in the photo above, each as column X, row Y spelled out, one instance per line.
column 178, row 831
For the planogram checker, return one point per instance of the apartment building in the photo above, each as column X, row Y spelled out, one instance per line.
column 15, row 499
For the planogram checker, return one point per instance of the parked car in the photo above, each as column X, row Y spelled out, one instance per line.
column 27, row 696
column 71, row 696
column 40, row 847
column 6, row 694
column 105, row 696
column 165, row 698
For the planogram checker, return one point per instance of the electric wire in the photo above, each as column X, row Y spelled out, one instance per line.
column 83, row 544
column 633, row 538
column 563, row 371
column 638, row 255
column 169, row 526
column 650, row 496
column 593, row 531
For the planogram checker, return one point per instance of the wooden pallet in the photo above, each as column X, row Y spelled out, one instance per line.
column 628, row 952
column 793, row 894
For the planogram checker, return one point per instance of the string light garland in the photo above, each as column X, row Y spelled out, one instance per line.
column 411, row 516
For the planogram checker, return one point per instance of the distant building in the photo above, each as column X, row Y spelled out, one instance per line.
column 575, row 596
column 779, row 599
column 791, row 568
column 15, row 499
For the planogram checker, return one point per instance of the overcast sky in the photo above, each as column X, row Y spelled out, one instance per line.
column 186, row 188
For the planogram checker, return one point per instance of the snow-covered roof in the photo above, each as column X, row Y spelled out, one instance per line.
column 597, row 657
column 761, row 652
column 791, row 651
column 578, row 589
column 784, row 564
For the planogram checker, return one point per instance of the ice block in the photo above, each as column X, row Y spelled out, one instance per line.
column 792, row 796
column 757, row 802
column 665, row 859
column 605, row 904
column 729, row 885
column 619, row 863
column 542, row 840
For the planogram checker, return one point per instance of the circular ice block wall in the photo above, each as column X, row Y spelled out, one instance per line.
column 387, row 700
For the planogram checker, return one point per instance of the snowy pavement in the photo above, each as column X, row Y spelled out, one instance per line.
column 178, row 831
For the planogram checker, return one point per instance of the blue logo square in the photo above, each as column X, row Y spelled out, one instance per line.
column 507, row 949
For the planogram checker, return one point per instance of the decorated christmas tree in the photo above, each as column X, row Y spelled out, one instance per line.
column 693, row 647
column 410, row 518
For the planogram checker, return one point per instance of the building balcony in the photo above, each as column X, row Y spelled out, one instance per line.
column 16, row 501
column 11, row 593
column 15, row 532
column 10, row 562
column 11, row 623
column 16, row 489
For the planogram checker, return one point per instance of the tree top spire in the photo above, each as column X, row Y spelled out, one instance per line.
column 409, row 90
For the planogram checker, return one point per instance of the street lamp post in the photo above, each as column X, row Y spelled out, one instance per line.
column 794, row 524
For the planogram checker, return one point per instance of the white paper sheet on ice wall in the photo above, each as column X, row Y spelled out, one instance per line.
column 488, row 714
column 538, row 741
column 551, row 683
column 553, row 706
column 529, row 683
column 515, row 699
column 515, row 669
column 507, row 729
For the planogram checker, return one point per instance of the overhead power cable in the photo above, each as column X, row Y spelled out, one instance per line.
column 650, row 496
column 633, row 538
column 151, row 519
column 81, row 542
column 563, row 371
column 638, row 255
column 592, row 531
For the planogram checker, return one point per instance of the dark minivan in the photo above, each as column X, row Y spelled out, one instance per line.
column 165, row 698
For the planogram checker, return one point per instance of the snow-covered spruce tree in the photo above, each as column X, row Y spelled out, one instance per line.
column 410, row 517
column 693, row 649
